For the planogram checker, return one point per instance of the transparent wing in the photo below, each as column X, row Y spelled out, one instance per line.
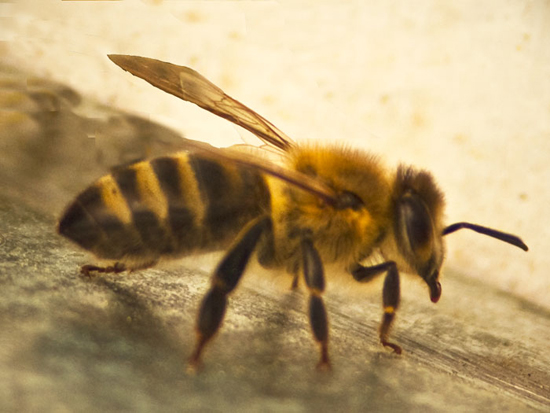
column 249, row 157
column 189, row 85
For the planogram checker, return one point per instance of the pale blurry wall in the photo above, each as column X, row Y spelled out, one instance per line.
column 459, row 88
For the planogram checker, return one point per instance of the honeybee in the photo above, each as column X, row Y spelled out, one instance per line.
column 325, row 204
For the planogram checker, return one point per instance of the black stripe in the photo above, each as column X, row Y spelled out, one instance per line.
column 85, row 221
column 255, row 190
column 214, row 184
column 91, row 199
column 120, row 241
column 182, row 220
column 127, row 183
column 168, row 175
column 232, row 201
column 78, row 226
column 153, row 235
column 185, row 231
column 222, row 198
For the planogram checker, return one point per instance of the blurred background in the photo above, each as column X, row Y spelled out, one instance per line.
column 461, row 89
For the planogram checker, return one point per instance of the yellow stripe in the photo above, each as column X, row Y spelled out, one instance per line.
column 150, row 193
column 113, row 199
column 278, row 198
column 190, row 188
column 389, row 309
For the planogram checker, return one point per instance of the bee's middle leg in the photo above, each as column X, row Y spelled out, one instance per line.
column 315, row 282
column 225, row 279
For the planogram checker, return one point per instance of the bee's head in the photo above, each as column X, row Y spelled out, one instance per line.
column 418, row 226
column 418, row 210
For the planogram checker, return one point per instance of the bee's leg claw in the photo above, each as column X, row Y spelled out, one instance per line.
column 397, row 349
column 324, row 363
column 194, row 364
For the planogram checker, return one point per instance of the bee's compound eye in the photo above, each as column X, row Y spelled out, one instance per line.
column 349, row 200
column 415, row 229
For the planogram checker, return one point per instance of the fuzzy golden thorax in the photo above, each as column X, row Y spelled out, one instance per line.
column 343, row 235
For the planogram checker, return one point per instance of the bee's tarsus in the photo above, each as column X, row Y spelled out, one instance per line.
column 87, row 270
column 319, row 324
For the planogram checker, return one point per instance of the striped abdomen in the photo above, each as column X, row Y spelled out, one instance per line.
column 167, row 207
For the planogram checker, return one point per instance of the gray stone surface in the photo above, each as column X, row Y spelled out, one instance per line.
column 120, row 343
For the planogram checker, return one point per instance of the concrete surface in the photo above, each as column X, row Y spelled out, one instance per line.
column 120, row 343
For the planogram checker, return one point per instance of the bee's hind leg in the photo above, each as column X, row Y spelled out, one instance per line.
column 390, row 295
column 116, row 268
column 315, row 282
column 225, row 279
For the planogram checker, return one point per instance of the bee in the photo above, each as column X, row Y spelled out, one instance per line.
column 323, row 204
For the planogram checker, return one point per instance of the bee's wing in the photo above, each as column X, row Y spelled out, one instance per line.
column 191, row 86
column 250, row 159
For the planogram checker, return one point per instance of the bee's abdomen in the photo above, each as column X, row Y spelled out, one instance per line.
column 170, row 206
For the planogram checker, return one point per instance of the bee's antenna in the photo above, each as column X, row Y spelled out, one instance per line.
column 503, row 236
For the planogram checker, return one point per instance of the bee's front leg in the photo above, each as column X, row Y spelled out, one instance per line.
column 315, row 282
column 225, row 279
column 390, row 295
